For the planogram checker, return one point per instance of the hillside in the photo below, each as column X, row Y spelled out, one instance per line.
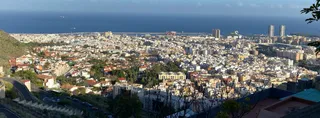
column 9, row 47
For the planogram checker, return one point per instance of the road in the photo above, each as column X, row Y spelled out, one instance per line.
column 7, row 112
column 21, row 88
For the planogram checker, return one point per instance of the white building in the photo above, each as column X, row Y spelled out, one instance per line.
column 61, row 68
column 171, row 75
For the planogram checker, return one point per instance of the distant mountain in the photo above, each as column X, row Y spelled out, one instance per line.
column 9, row 47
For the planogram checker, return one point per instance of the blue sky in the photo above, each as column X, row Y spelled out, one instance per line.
column 214, row 7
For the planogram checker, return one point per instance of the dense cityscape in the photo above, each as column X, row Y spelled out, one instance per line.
column 158, row 75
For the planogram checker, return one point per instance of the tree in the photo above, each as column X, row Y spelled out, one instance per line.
column 65, row 102
column 46, row 65
column 29, row 75
column 222, row 115
column 41, row 54
column 64, row 58
column 10, row 93
column 314, row 10
column 235, row 109
column 126, row 105
column 97, row 68
column 80, row 91
column 315, row 44
column 118, row 73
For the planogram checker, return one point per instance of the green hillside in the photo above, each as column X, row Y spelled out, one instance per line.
column 9, row 47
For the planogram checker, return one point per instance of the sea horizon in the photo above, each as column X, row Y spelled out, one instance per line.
column 68, row 22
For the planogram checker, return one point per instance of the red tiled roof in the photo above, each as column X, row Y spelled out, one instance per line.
column 44, row 77
column 91, row 82
column 21, row 65
column 121, row 78
column 144, row 66
column 67, row 86
column 25, row 80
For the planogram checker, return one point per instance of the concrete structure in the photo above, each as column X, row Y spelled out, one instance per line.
column 284, row 107
column 2, row 90
column 49, row 81
column 216, row 33
column 282, row 30
column 1, row 71
column 308, row 94
column 27, row 83
column 172, row 76
column 120, row 88
column 40, row 106
column 271, row 31
column 61, row 68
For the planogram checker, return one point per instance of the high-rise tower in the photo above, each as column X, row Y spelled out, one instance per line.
column 271, row 31
column 282, row 30
column 216, row 33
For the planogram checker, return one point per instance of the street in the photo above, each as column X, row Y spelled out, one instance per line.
column 7, row 112
column 21, row 88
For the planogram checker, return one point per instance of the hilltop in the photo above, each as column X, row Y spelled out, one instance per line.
column 9, row 47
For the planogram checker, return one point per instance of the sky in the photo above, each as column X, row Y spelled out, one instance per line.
column 212, row 7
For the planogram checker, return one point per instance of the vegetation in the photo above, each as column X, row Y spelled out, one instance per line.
column 46, row 65
column 95, row 100
column 80, row 91
column 36, row 94
column 126, row 105
column 63, row 80
column 317, row 45
column 314, row 9
column 41, row 54
column 234, row 109
column 64, row 58
column 10, row 91
column 150, row 77
column 35, row 44
column 97, row 68
column 2, row 115
column 65, row 102
column 9, row 47
column 29, row 75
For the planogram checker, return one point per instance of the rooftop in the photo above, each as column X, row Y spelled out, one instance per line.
column 309, row 94
column 264, row 103
column 284, row 107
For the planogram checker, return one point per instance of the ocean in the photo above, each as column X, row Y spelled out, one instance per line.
column 50, row 22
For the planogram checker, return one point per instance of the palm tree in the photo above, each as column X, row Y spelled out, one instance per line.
column 314, row 9
column 315, row 44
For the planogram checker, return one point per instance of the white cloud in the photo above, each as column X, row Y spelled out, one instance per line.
column 296, row 6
